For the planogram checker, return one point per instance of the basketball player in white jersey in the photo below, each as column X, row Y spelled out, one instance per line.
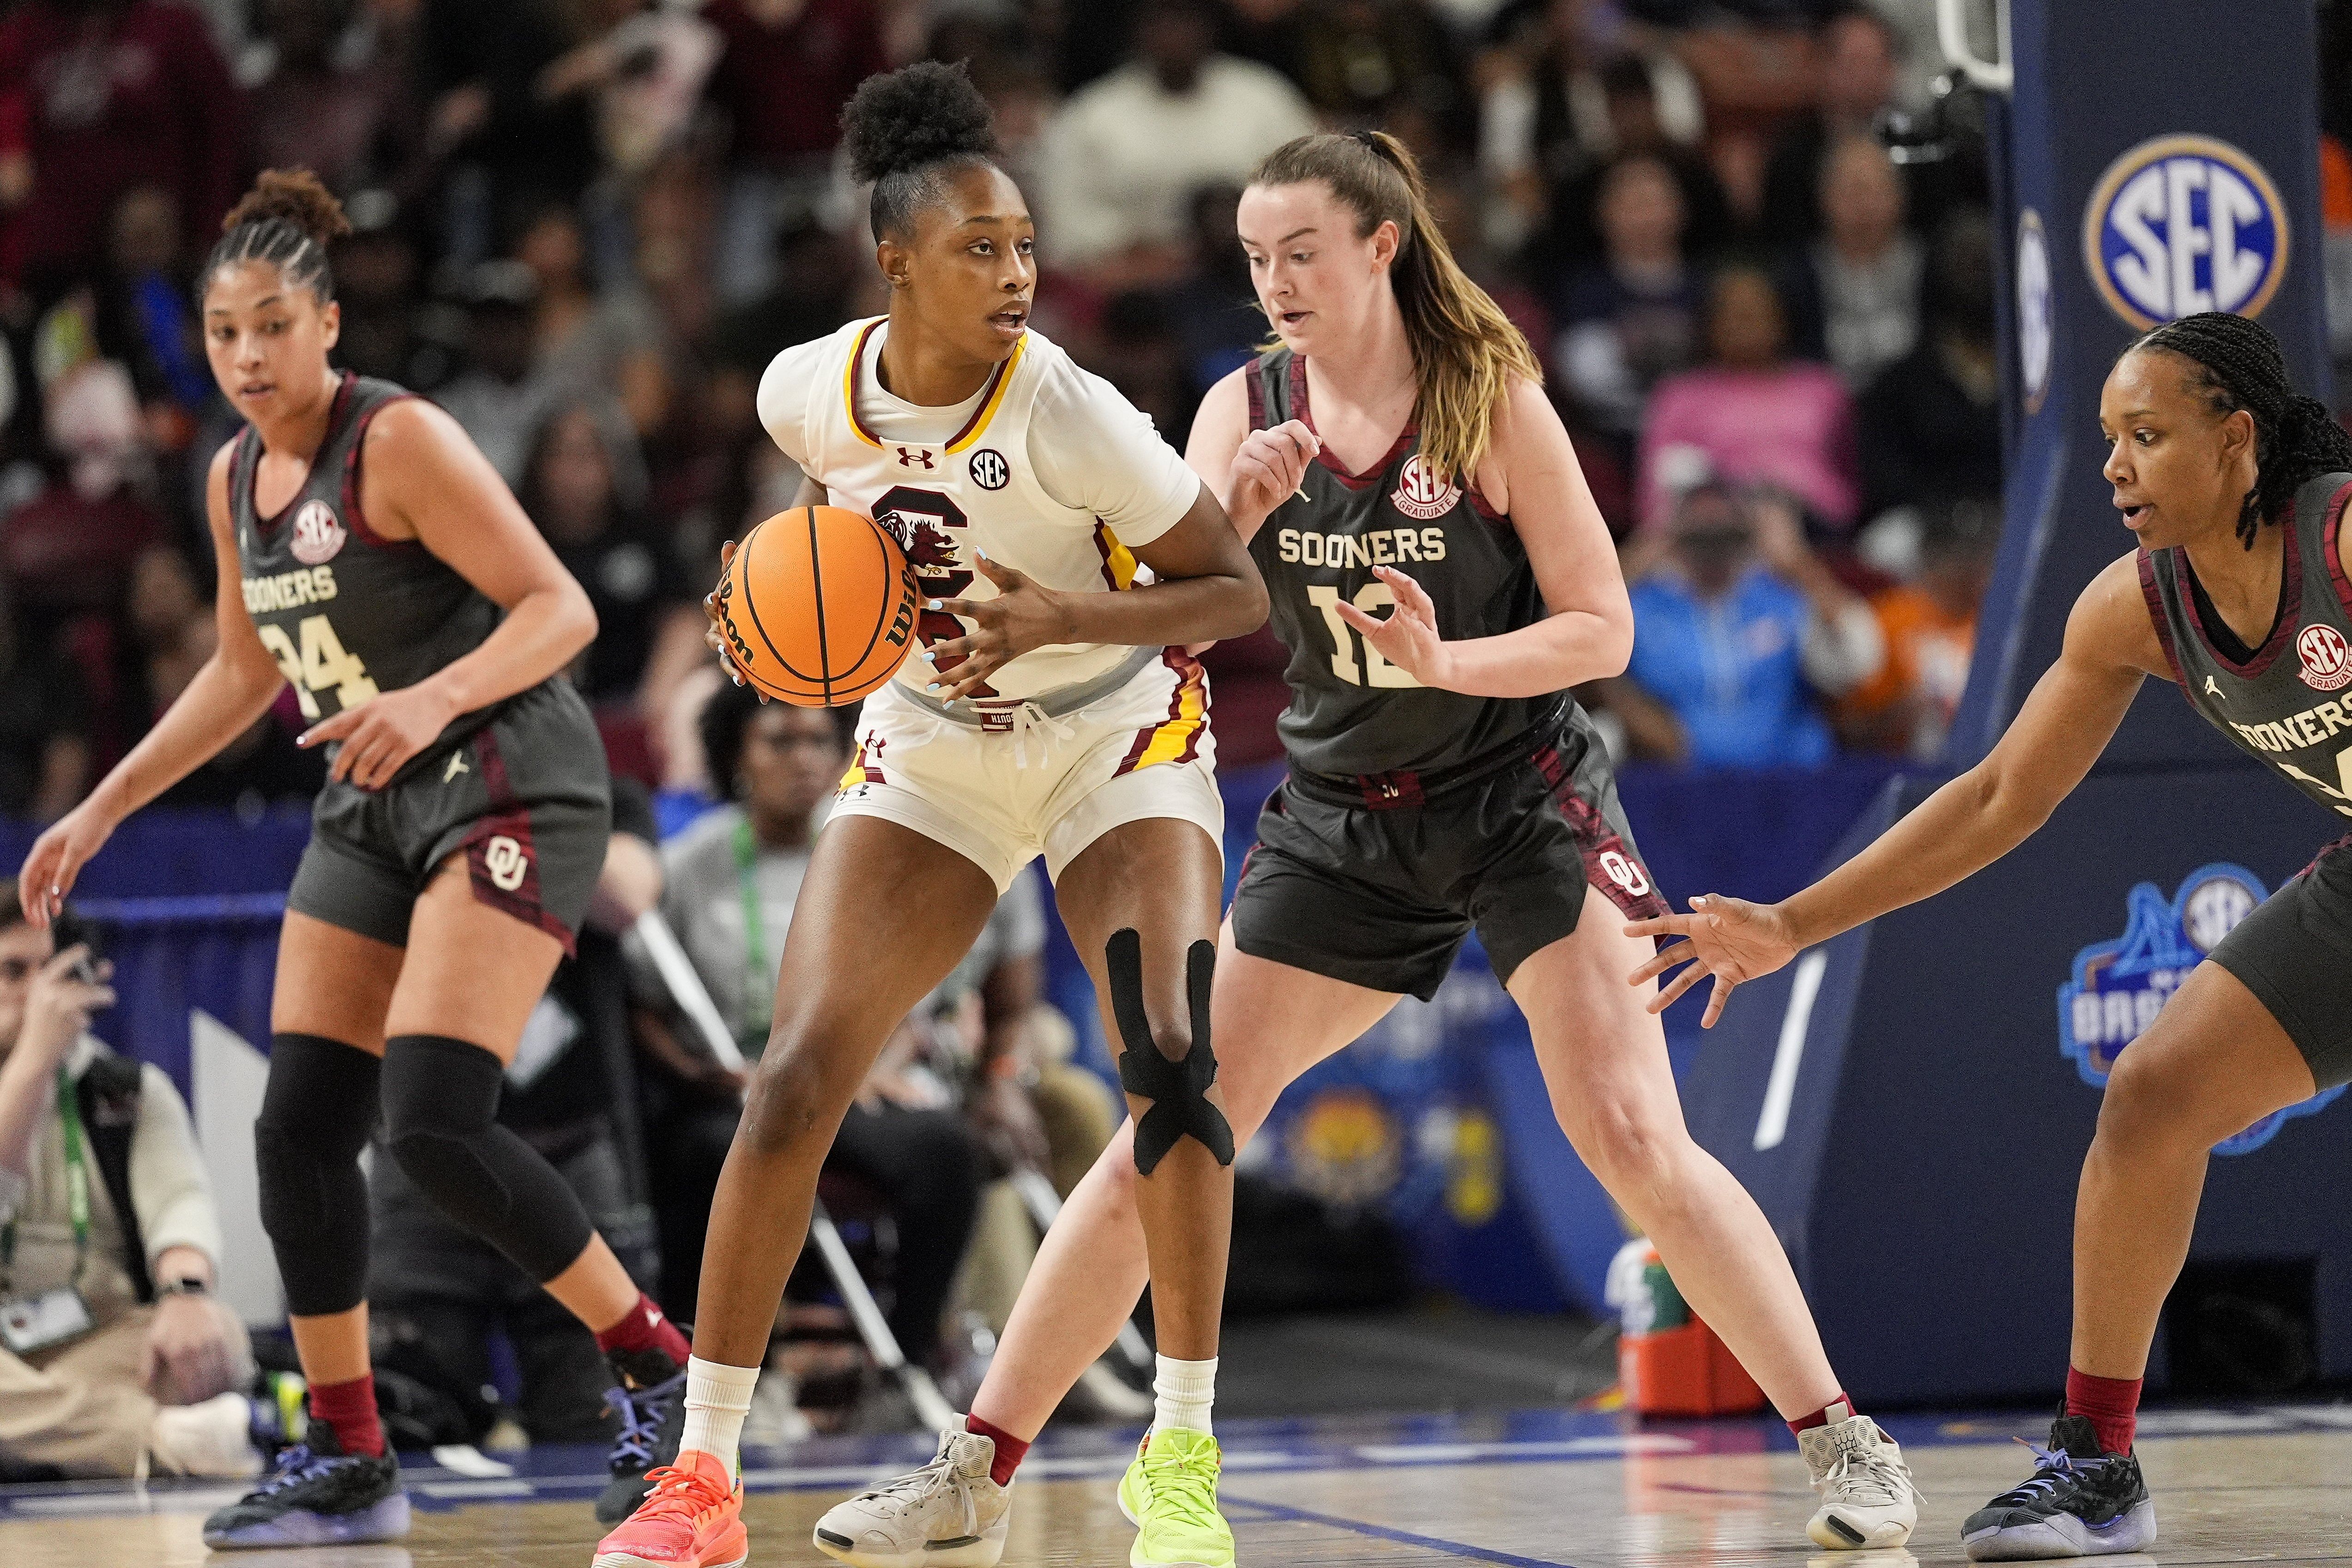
column 1052, row 711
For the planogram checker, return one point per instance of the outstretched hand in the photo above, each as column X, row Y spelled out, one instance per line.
column 1731, row 938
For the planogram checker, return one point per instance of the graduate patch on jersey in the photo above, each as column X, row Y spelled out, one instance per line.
column 319, row 533
column 2327, row 658
column 1422, row 492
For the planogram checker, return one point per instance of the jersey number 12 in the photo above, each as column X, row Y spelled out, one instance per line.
column 320, row 665
column 1372, row 598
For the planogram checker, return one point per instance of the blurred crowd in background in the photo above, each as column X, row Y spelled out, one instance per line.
column 1764, row 301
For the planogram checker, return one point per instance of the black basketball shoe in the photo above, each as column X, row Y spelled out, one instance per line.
column 649, row 1396
column 2081, row 1502
column 315, row 1496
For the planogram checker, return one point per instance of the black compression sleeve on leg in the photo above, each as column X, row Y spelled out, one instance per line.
column 318, row 1112
column 440, row 1100
column 1178, row 1089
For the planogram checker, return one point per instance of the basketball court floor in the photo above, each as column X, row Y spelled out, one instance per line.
column 1543, row 1490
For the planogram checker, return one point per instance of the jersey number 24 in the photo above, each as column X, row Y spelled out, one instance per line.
column 318, row 665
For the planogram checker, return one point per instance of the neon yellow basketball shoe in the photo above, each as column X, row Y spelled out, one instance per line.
column 1169, row 1492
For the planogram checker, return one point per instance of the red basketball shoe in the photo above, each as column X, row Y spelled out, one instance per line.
column 692, row 1519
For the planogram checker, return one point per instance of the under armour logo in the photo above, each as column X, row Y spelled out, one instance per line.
column 915, row 458
column 2214, row 687
column 456, row 766
column 504, row 859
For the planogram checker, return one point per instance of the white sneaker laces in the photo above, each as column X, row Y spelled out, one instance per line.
column 1867, row 1473
column 917, row 1488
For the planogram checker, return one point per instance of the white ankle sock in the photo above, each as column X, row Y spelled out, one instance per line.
column 1184, row 1391
column 718, row 1397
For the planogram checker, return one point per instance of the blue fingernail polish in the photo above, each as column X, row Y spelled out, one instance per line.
column 934, row 685
column 932, row 604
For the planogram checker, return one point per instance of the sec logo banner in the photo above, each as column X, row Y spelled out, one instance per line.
column 2184, row 224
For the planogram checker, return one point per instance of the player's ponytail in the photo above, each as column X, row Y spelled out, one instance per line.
column 1466, row 352
column 905, row 126
column 2238, row 365
column 288, row 219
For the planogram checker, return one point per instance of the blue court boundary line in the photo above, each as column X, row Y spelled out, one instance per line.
column 1287, row 1514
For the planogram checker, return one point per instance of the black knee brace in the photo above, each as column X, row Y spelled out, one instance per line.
column 440, row 1099
column 317, row 1114
column 1178, row 1089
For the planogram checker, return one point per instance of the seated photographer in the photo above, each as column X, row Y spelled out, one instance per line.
column 115, row 1360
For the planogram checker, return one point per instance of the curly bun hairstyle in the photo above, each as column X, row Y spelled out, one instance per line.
column 907, row 126
column 288, row 219
column 2235, row 364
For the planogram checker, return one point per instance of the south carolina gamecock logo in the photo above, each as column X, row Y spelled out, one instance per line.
column 1421, row 493
column 318, row 533
column 2327, row 658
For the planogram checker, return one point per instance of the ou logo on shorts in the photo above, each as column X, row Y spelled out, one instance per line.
column 1624, row 873
column 2184, row 224
column 2327, row 658
column 505, row 862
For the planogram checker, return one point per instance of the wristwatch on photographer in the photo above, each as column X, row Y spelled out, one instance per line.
column 189, row 1287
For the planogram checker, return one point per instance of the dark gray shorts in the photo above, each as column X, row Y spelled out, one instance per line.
column 1379, row 891
column 2295, row 954
column 525, row 796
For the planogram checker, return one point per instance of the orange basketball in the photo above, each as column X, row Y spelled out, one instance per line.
column 818, row 606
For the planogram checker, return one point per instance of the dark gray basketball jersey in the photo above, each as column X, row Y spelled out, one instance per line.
column 1352, row 712
column 346, row 611
column 2286, row 704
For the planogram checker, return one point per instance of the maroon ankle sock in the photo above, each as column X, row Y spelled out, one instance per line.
column 1837, row 1409
column 349, row 1410
column 643, row 1328
column 1008, row 1449
column 2111, row 1405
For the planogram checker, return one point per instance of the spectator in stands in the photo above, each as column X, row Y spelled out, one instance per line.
column 147, row 317
column 808, row 297
column 387, row 332
column 588, row 339
column 568, row 1093
column 508, row 148
column 1124, row 154
column 1854, row 291
column 45, row 726
column 1214, row 308
column 1637, row 126
column 1929, row 426
column 1859, row 65
column 781, row 158
column 1751, row 413
column 585, row 486
column 348, row 122
column 1365, row 61
column 97, row 96
column 734, row 876
column 1632, row 319
column 1928, row 627
column 1555, row 118
column 116, row 1359
column 1735, row 631
column 496, row 398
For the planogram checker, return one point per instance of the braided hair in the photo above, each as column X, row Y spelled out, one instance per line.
column 906, row 128
column 2236, row 365
column 288, row 219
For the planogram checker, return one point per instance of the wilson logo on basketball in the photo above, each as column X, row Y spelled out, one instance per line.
column 2327, row 658
column 1421, row 493
column 318, row 533
column 504, row 861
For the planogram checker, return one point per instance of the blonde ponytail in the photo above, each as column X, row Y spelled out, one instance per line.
column 1466, row 352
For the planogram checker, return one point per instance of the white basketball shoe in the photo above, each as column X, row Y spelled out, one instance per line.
column 949, row 1514
column 1868, row 1497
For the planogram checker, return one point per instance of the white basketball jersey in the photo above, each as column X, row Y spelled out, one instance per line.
column 974, row 492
